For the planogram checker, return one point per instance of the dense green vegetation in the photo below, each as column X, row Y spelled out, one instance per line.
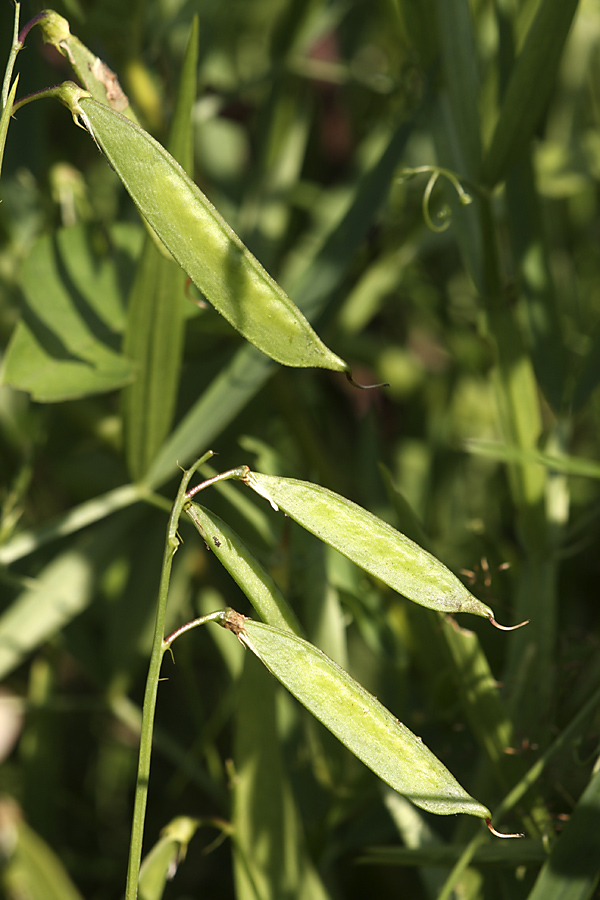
column 422, row 180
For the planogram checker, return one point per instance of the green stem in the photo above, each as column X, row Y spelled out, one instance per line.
column 189, row 625
column 238, row 474
column 16, row 46
column 158, row 648
column 9, row 91
column 55, row 91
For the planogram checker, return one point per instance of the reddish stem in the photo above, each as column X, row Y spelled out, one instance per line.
column 27, row 28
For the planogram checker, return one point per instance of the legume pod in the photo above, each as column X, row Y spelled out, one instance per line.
column 203, row 244
column 256, row 583
column 371, row 543
column 356, row 718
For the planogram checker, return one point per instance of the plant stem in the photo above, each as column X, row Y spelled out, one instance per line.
column 16, row 46
column 189, row 625
column 237, row 474
column 54, row 91
column 9, row 91
column 158, row 649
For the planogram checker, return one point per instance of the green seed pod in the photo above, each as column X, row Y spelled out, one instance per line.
column 371, row 543
column 258, row 586
column 203, row 244
column 356, row 718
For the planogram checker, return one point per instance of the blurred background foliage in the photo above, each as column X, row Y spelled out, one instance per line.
column 483, row 447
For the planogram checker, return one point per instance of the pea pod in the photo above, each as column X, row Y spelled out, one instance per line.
column 371, row 543
column 203, row 244
column 356, row 718
column 256, row 583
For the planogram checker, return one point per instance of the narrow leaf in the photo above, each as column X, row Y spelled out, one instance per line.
column 67, row 344
column 497, row 853
column 538, row 293
column 33, row 871
column 79, row 517
column 61, row 592
column 573, row 870
column 162, row 861
column 568, row 465
column 155, row 324
column 153, row 342
column 271, row 861
column 356, row 718
column 529, row 87
column 461, row 76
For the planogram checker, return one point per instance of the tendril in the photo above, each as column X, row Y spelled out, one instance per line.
column 444, row 213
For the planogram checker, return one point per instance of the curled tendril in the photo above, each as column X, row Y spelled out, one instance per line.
column 444, row 214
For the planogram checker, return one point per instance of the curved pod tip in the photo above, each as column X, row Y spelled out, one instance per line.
column 499, row 834
column 364, row 387
column 507, row 627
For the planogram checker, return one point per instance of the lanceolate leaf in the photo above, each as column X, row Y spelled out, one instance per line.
column 31, row 869
column 370, row 542
column 270, row 856
column 160, row 865
column 356, row 718
column 67, row 343
column 155, row 323
column 573, row 870
column 529, row 87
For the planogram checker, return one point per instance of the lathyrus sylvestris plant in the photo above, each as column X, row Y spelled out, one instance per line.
column 193, row 233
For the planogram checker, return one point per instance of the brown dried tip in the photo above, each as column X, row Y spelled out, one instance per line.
column 507, row 627
column 233, row 621
column 499, row 834
column 365, row 387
